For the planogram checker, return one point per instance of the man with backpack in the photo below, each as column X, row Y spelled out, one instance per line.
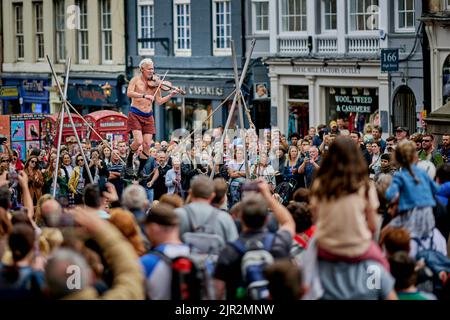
column 240, row 267
column 203, row 227
column 162, row 228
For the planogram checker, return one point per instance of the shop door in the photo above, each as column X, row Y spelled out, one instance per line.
column 404, row 109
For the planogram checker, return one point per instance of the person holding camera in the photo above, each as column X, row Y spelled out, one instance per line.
column 263, row 169
column 97, row 167
column 310, row 164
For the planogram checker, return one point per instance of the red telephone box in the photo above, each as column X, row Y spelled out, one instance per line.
column 110, row 125
column 50, row 126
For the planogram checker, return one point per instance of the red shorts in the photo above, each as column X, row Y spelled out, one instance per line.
column 140, row 123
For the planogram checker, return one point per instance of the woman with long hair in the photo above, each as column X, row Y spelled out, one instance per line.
column 292, row 165
column 77, row 181
column 236, row 171
column 61, row 182
column 105, row 154
column 344, row 203
column 35, row 178
column 414, row 191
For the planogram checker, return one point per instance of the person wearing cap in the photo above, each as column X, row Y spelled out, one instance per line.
column 401, row 133
column 162, row 229
column 334, row 128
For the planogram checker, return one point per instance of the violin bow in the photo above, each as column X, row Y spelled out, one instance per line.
column 160, row 84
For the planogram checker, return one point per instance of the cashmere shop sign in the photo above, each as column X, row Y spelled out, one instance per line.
column 360, row 104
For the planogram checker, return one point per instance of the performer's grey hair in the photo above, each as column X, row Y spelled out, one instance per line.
column 145, row 62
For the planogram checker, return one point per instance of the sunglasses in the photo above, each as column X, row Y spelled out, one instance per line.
column 33, row 161
column 80, row 160
column 426, row 140
column 4, row 160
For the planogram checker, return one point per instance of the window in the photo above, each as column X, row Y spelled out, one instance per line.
column 39, row 30
column 293, row 15
column 83, row 41
column 448, row 4
column 329, row 15
column 105, row 9
column 364, row 15
column 260, row 16
column 405, row 18
column 18, row 17
column 146, row 26
column 60, row 30
column 222, row 27
column 182, row 26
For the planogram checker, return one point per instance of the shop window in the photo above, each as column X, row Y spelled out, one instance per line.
column 446, row 81
column 298, row 104
column 352, row 108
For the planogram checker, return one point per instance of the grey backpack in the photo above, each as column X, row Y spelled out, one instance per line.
column 202, row 239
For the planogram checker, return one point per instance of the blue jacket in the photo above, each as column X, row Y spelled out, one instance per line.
column 412, row 194
column 443, row 193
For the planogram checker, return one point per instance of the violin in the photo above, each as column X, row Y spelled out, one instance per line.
column 155, row 82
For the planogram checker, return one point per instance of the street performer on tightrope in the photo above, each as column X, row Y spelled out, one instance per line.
column 141, row 122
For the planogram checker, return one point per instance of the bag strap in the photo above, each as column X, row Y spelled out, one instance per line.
column 162, row 256
column 268, row 241
column 192, row 226
column 210, row 221
column 240, row 246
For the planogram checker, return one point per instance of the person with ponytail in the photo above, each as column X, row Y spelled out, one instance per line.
column 414, row 191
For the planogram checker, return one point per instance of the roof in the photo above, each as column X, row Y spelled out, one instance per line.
column 97, row 115
column 55, row 116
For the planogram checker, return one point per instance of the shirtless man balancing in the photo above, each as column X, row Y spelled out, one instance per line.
column 141, row 121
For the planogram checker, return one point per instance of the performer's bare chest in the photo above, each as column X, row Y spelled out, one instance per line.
column 142, row 87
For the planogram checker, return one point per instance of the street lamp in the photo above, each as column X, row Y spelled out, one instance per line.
column 107, row 89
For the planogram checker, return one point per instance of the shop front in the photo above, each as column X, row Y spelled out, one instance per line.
column 88, row 95
column 109, row 125
column 50, row 128
column 190, row 111
column 308, row 93
column 25, row 94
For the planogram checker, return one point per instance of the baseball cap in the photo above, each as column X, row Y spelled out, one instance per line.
column 162, row 214
column 402, row 129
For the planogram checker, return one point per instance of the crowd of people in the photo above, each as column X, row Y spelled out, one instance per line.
column 331, row 215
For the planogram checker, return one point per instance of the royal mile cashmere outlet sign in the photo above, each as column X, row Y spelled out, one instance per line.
column 327, row 70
